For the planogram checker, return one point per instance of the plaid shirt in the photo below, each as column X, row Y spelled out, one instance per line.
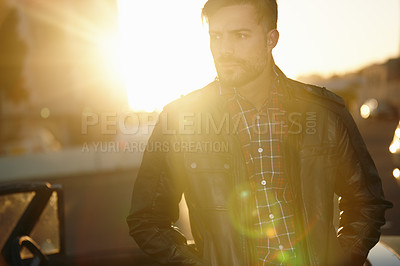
column 261, row 134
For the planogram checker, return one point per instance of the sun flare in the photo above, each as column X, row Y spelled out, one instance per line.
column 164, row 51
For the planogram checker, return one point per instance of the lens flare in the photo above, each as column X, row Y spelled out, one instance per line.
column 45, row 113
column 283, row 257
column 245, row 223
column 270, row 232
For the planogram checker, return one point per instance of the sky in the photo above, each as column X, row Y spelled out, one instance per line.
column 329, row 37
column 165, row 47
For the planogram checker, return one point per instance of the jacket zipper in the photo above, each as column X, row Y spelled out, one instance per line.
column 300, row 209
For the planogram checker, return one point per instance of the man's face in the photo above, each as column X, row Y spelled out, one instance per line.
column 238, row 44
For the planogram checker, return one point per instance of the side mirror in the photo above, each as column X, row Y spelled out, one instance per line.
column 39, row 258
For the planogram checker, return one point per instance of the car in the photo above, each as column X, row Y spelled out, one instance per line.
column 34, row 222
column 34, row 228
column 31, row 213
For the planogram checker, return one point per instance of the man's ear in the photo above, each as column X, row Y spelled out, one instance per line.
column 272, row 39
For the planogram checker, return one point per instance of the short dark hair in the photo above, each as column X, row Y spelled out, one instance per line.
column 267, row 9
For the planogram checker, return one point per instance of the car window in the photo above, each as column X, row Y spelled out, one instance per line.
column 12, row 206
column 45, row 232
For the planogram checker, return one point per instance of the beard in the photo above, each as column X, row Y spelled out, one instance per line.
column 236, row 72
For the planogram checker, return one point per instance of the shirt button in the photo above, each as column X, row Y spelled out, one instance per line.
column 271, row 216
column 260, row 150
column 280, row 247
column 226, row 166
column 193, row 165
column 263, row 182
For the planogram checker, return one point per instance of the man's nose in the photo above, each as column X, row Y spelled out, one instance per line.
column 227, row 46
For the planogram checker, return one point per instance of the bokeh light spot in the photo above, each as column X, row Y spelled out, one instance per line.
column 365, row 111
column 394, row 146
column 397, row 132
column 45, row 113
column 396, row 173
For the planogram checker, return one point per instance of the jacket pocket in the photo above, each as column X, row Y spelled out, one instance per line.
column 325, row 155
column 209, row 178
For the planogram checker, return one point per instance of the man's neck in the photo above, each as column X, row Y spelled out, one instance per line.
column 256, row 91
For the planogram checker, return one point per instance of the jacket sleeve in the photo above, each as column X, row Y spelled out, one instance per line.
column 361, row 199
column 155, row 200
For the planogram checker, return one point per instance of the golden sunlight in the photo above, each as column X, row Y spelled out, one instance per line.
column 164, row 51
column 164, row 48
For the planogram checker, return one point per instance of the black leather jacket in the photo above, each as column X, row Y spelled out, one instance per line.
column 195, row 150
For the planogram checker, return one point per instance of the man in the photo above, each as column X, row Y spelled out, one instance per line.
column 259, row 158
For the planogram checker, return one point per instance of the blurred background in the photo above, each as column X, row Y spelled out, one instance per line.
column 82, row 82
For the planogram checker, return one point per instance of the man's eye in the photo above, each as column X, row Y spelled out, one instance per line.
column 242, row 36
column 215, row 36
